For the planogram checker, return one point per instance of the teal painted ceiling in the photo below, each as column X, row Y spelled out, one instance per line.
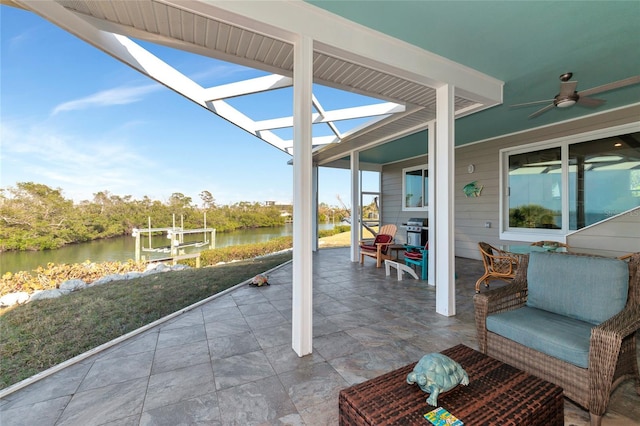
column 526, row 44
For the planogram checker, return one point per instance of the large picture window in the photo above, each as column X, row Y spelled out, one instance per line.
column 567, row 186
column 415, row 186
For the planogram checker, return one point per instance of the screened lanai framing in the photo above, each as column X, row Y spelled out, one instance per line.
column 297, row 44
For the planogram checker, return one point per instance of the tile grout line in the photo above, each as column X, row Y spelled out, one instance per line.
column 146, row 391
column 213, row 373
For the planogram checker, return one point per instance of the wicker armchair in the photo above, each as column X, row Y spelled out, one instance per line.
column 612, row 348
column 498, row 265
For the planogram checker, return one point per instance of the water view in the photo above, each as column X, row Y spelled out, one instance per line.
column 123, row 248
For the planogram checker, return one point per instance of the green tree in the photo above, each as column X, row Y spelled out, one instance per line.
column 532, row 216
column 208, row 202
column 35, row 216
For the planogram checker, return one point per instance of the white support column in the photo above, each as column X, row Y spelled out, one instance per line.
column 431, row 167
column 444, row 202
column 302, row 303
column 355, row 202
column 314, row 206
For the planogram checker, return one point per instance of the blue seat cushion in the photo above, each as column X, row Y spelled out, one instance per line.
column 555, row 335
column 585, row 288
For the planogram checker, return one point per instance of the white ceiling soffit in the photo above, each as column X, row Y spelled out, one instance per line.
column 260, row 35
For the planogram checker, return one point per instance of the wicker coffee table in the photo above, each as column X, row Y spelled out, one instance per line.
column 497, row 394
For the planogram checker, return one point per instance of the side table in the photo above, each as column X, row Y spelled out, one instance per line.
column 497, row 394
column 397, row 248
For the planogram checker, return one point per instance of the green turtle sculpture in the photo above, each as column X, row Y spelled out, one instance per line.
column 436, row 373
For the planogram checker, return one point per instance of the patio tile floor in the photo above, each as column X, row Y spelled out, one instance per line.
column 229, row 361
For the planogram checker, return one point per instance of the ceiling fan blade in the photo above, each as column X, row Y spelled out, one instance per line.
column 530, row 103
column 567, row 88
column 610, row 86
column 542, row 111
column 590, row 102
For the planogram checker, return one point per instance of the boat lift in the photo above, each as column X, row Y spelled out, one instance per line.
column 176, row 236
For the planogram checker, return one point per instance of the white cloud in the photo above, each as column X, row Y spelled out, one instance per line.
column 116, row 96
column 223, row 72
column 78, row 165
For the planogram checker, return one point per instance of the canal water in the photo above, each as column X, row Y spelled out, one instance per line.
column 123, row 248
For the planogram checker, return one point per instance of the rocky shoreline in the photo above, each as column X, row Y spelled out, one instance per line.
column 22, row 297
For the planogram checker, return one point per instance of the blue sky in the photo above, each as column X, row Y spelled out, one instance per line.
column 74, row 118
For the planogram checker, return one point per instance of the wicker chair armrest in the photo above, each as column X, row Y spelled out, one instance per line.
column 506, row 257
column 623, row 324
column 606, row 349
column 500, row 299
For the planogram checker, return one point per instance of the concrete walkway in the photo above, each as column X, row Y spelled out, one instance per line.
column 229, row 361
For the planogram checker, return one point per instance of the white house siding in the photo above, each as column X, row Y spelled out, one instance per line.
column 473, row 213
column 392, row 196
column 619, row 235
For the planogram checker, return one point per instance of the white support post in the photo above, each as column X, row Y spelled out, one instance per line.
column 302, row 300
column 431, row 167
column 444, row 202
column 138, row 250
column 314, row 239
column 355, row 202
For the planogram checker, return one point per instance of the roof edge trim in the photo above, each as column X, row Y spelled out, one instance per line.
column 339, row 37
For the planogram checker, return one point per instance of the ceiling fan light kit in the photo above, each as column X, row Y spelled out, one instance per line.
column 568, row 95
column 566, row 102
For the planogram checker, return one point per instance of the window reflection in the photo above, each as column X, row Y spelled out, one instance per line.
column 603, row 181
column 416, row 184
column 535, row 190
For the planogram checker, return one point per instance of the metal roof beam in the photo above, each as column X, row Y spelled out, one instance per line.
column 134, row 55
column 247, row 87
column 336, row 115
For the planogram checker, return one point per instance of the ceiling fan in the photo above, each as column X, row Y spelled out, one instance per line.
column 568, row 95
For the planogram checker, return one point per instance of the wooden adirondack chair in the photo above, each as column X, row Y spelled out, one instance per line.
column 379, row 248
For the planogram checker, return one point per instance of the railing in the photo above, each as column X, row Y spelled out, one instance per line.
column 175, row 259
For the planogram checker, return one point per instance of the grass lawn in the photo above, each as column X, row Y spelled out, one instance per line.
column 342, row 239
column 41, row 334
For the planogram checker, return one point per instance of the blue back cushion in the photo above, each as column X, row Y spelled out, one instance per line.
column 590, row 289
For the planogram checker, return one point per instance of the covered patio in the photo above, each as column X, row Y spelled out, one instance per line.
column 228, row 360
column 431, row 93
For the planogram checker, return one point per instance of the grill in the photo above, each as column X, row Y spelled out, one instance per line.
column 416, row 234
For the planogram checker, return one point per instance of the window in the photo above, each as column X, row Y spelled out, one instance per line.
column 415, row 188
column 603, row 179
column 535, row 190
column 568, row 185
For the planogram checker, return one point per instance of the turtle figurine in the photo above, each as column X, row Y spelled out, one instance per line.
column 436, row 373
column 260, row 280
